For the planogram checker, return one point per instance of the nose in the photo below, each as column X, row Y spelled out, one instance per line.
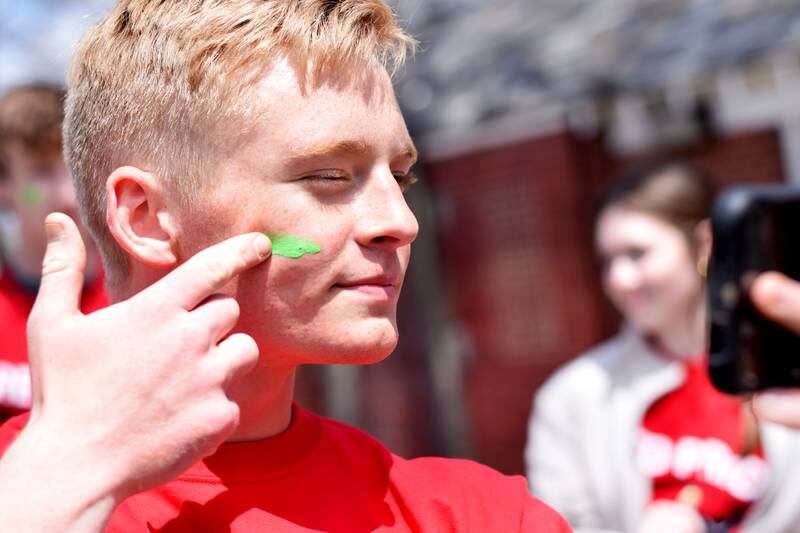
column 622, row 275
column 385, row 218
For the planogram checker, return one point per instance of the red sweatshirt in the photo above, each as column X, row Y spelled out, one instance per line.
column 16, row 302
column 322, row 475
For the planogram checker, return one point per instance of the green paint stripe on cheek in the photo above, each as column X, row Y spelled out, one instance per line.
column 292, row 247
column 31, row 196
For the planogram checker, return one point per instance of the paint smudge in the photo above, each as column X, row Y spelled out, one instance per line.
column 292, row 247
column 31, row 196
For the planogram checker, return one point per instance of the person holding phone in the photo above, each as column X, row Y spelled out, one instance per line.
column 632, row 436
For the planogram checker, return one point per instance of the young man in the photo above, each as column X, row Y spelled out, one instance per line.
column 33, row 183
column 188, row 124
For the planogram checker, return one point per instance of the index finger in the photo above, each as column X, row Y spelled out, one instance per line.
column 778, row 298
column 209, row 270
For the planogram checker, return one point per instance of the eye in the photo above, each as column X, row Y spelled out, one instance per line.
column 327, row 178
column 44, row 172
column 634, row 254
column 406, row 180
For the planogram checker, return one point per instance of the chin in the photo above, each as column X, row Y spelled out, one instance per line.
column 369, row 348
column 355, row 343
column 366, row 342
column 647, row 328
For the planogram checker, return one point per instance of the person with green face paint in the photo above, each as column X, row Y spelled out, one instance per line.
column 33, row 183
column 193, row 129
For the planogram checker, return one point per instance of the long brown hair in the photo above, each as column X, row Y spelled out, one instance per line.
column 673, row 191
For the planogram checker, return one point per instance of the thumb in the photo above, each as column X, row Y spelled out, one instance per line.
column 62, row 268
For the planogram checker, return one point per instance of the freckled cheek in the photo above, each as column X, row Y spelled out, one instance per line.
column 297, row 280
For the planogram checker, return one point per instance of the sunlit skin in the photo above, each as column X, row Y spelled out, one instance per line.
column 650, row 275
column 328, row 163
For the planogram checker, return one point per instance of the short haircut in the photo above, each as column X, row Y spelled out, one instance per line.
column 676, row 192
column 31, row 117
column 153, row 83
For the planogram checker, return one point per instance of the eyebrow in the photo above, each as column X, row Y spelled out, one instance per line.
column 348, row 147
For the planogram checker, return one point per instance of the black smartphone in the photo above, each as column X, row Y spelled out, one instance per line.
column 755, row 228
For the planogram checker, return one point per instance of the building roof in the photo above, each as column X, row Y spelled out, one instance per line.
column 481, row 60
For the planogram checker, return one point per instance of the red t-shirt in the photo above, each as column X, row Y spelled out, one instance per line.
column 15, row 306
column 322, row 475
column 696, row 435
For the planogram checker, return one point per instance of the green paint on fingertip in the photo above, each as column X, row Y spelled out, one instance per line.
column 31, row 195
column 292, row 247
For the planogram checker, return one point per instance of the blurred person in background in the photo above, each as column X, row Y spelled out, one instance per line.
column 33, row 182
column 632, row 436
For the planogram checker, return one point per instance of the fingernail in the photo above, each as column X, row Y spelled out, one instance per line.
column 262, row 246
column 55, row 231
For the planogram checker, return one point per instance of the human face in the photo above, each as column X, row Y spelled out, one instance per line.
column 328, row 164
column 37, row 184
column 649, row 272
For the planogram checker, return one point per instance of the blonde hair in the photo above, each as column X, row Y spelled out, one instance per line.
column 152, row 81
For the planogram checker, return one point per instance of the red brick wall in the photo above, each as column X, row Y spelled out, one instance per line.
column 745, row 157
column 518, row 261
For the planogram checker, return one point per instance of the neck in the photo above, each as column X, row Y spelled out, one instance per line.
column 264, row 397
column 686, row 337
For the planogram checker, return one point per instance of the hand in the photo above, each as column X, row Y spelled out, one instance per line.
column 778, row 298
column 126, row 398
column 664, row 516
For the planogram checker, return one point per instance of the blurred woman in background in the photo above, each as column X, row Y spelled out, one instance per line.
column 632, row 436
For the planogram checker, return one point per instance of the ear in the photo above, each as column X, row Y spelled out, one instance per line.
column 138, row 217
column 703, row 240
